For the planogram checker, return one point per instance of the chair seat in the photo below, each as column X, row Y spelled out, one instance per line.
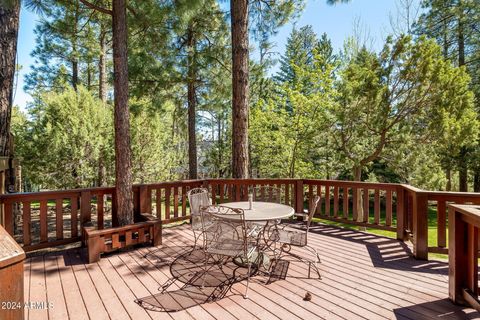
column 294, row 238
column 228, row 247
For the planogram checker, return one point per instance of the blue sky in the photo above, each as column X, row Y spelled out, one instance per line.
column 337, row 21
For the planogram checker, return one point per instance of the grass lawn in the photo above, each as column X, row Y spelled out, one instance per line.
column 432, row 227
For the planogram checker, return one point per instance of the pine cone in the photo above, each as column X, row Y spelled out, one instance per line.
column 308, row 296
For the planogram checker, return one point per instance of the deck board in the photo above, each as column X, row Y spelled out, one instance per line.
column 73, row 298
column 37, row 289
column 363, row 277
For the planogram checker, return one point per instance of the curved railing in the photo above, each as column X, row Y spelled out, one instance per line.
column 51, row 218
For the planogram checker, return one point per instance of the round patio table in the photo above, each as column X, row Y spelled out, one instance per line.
column 262, row 211
column 269, row 212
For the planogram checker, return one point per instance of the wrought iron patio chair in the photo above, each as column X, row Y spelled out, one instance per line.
column 197, row 198
column 227, row 237
column 297, row 238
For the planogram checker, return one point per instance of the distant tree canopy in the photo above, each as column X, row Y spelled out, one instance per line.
column 408, row 113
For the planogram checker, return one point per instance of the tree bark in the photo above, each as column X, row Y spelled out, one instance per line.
column 357, row 175
column 462, row 161
column 74, row 47
column 239, row 25
column 476, row 180
column 448, row 173
column 123, row 166
column 102, row 66
column 192, row 99
column 9, row 19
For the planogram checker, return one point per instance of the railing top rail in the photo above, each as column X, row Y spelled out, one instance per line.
column 454, row 194
column 46, row 195
column 40, row 195
column 252, row 180
column 471, row 212
column 10, row 250
column 359, row 184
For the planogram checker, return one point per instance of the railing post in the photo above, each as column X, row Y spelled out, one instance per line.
column 299, row 196
column 145, row 200
column 420, row 225
column 114, row 209
column 85, row 207
column 401, row 221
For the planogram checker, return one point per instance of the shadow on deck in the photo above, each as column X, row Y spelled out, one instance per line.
column 364, row 276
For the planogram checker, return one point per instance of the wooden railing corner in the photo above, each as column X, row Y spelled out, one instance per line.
column 420, row 225
column 463, row 222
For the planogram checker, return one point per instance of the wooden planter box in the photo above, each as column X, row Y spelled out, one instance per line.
column 108, row 240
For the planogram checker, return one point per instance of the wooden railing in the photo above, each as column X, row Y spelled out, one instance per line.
column 51, row 218
column 463, row 221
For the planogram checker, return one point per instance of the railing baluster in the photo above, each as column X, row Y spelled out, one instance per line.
column 43, row 221
column 335, row 201
column 175, row 202
column 222, row 192
column 100, row 211
column 214, row 193
column 388, row 208
column 27, row 215
column 366, row 205
column 167, row 203
column 319, row 193
column 377, row 206
column 59, row 218
column 237, row 192
column 184, row 201
column 327, row 200
column 74, row 217
column 287, row 194
column 158, row 203
column 310, row 194
column 345, row 202
column 355, row 204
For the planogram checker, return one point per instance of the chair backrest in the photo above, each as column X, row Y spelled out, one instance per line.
column 198, row 197
column 224, row 223
column 267, row 194
column 312, row 208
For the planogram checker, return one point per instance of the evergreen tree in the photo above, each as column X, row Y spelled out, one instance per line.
column 454, row 24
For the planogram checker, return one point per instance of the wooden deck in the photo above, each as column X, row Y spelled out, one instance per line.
column 364, row 277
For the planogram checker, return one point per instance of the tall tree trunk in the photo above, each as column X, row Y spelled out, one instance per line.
column 9, row 18
column 89, row 75
column 74, row 47
column 476, row 180
column 357, row 175
column 462, row 164
column 239, row 22
column 448, row 173
column 102, row 66
column 192, row 100
column 123, row 165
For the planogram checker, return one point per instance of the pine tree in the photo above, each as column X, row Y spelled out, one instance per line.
column 453, row 25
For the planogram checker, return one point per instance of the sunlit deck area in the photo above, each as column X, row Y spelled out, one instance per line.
column 364, row 276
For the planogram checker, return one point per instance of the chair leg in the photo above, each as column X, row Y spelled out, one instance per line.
column 248, row 279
